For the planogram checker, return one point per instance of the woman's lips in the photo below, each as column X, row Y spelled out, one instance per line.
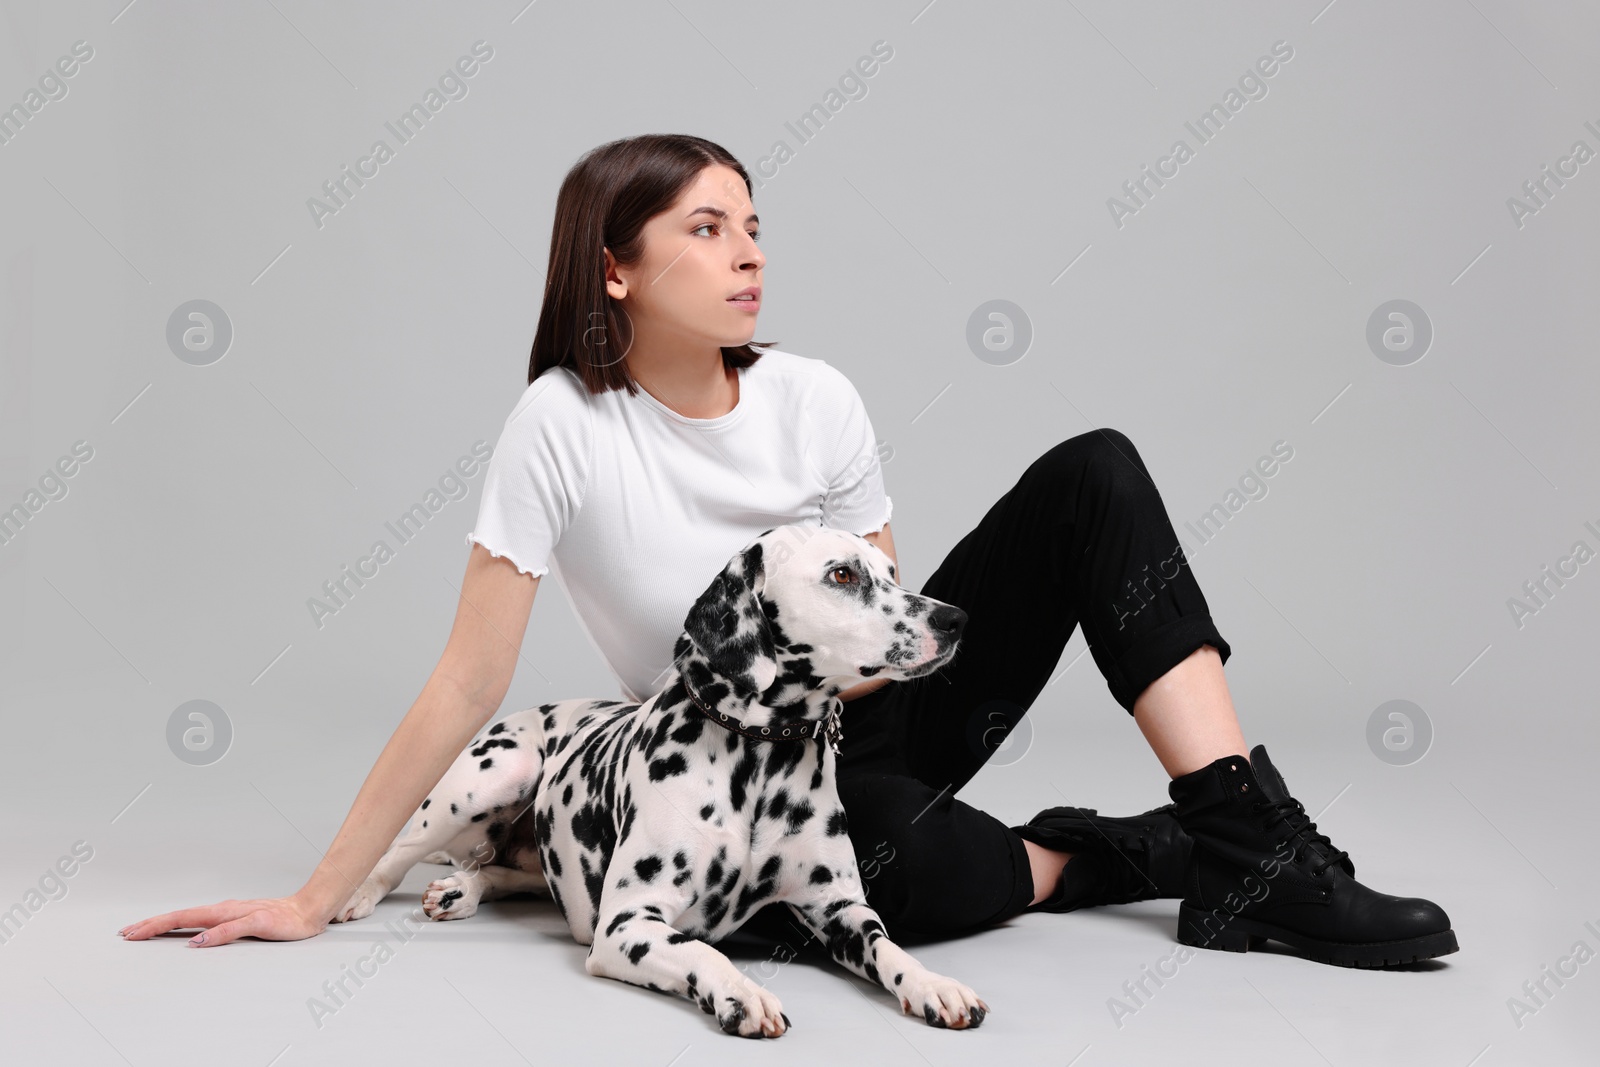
column 746, row 305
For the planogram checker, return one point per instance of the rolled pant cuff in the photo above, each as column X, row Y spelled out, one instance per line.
column 1157, row 652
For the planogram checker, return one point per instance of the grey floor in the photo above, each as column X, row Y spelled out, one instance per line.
column 507, row 986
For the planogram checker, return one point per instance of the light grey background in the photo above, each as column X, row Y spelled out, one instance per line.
column 370, row 353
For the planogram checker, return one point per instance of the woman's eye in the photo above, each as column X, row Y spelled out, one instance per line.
column 755, row 235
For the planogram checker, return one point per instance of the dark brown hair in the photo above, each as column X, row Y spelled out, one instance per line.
column 604, row 202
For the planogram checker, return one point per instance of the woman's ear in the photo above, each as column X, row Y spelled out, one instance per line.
column 729, row 627
column 616, row 284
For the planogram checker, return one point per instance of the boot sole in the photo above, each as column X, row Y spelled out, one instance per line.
column 1242, row 934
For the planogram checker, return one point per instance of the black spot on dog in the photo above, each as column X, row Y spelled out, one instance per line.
column 899, row 976
column 566, row 794
column 782, row 759
column 730, row 1024
column 836, row 823
column 555, row 863
column 494, row 742
column 482, row 815
column 680, row 861
column 743, row 772
column 820, row 875
column 589, row 824
column 799, row 815
column 763, row 888
column 453, row 809
column 678, row 938
column 425, row 803
column 647, row 868
column 667, row 767
column 486, row 764
column 706, row 813
column 617, row 920
column 627, row 820
column 690, row 730
column 637, row 952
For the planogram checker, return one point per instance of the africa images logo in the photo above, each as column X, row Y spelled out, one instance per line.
column 1252, row 85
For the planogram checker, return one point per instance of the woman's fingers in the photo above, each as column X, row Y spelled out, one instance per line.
column 186, row 919
column 252, row 923
column 276, row 919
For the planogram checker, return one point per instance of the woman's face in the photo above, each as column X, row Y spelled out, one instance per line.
column 698, row 254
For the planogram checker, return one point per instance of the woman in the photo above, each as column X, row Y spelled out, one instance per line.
column 655, row 440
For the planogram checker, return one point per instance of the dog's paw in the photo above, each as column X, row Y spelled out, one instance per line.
column 942, row 1002
column 361, row 902
column 450, row 897
column 750, row 1011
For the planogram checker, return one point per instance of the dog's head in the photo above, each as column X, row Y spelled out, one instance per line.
column 803, row 604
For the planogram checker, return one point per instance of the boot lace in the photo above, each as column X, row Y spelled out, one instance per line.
column 1293, row 813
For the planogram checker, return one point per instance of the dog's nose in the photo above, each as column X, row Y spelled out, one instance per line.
column 947, row 620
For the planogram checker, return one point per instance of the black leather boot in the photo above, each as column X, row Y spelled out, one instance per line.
column 1115, row 860
column 1261, row 870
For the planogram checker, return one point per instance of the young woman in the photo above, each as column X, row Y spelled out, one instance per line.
column 656, row 439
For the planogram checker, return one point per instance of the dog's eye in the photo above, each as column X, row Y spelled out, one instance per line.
column 846, row 571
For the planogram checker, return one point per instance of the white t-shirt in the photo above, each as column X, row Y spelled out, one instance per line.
column 636, row 508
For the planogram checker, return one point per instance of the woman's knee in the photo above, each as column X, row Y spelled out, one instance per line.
column 1104, row 453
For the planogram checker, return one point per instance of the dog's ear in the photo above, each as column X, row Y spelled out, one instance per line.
column 730, row 627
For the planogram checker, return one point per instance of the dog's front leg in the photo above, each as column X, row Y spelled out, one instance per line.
column 854, row 936
column 634, row 943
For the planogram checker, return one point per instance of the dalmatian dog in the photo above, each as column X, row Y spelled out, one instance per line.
column 659, row 828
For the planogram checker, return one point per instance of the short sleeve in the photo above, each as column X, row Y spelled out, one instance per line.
column 537, row 474
column 845, row 454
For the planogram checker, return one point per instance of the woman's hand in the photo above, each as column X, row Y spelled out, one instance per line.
column 274, row 919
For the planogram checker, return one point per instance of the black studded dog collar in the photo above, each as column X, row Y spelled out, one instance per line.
column 826, row 727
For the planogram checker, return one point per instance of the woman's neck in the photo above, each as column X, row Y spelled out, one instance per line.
column 695, row 386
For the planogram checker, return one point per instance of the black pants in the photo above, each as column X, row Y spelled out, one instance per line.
column 1083, row 538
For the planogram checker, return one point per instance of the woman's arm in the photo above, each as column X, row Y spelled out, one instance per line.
column 462, row 694
column 884, row 539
